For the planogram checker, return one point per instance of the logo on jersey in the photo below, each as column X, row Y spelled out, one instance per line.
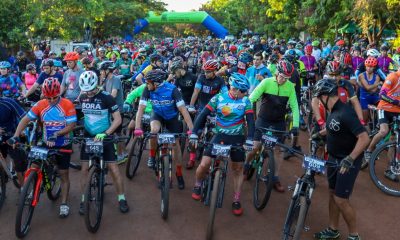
column 226, row 110
column 92, row 106
column 334, row 125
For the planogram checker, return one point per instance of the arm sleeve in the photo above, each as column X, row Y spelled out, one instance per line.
column 295, row 108
column 384, row 93
column 70, row 112
column 145, row 97
column 201, row 119
column 258, row 91
column 199, row 83
column 177, row 96
column 381, row 74
column 137, row 92
column 250, row 119
column 111, row 104
column 34, row 113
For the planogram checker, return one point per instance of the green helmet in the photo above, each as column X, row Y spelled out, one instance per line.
column 315, row 43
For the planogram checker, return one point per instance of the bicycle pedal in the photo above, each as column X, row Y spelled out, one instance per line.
column 108, row 184
column 290, row 188
column 306, row 228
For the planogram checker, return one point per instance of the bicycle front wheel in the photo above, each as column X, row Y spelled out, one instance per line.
column 55, row 185
column 134, row 157
column 384, row 170
column 165, row 180
column 94, row 200
column 25, row 206
column 213, row 204
column 263, row 184
column 294, row 223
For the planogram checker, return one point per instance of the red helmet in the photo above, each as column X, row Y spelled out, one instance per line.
column 308, row 49
column 210, row 65
column 333, row 68
column 233, row 48
column 71, row 56
column 51, row 87
column 347, row 60
column 371, row 62
column 398, row 50
column 285, row 68
column 341, row 42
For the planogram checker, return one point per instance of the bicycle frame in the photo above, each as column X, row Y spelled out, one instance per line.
column 216, row 165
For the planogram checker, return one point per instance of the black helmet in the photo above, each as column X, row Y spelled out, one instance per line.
column 155, row 57
column 47, row 62
column 210, row 48
column 156, row 76
column 290, row 55
column 177, row 64
column 20, row 53
column 177, row 52
column 326, row 86
column 106, row 65
column 274, row 58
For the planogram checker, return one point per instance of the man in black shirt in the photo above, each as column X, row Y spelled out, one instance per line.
column 184, row 80
column 346, row 141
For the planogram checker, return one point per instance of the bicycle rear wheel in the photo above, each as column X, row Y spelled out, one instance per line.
column 384, row 170
column 25, row 208
column 94, row 200
column 263, row 185
column 134, row 157
column 3, row 179
column 55, row 185
column 213, row 204
column 165, row 180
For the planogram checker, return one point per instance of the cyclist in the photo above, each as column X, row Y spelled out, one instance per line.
column 123, row 64
column 361, row 67
column 276, row 93
column 384, row 60
column 20, row 64
column 256, row 73
column 10, row 84
column 316, row 52
column 47, row 71
column 232, row 109
column 99, row 58
column 207, row 55
column 244, row 62
column 310, row 63
column 30, row 76
column 98, row 108
column 228, row 69
column 155, row 63
column 346, row 141
column 167, row 103
column 70, row 82
column 272, row 62
column 58, row 118
column 357, row 59
column 193, row 57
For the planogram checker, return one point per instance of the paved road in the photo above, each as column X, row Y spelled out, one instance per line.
column 377, row 212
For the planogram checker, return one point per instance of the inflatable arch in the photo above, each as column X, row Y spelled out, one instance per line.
column 183, row 17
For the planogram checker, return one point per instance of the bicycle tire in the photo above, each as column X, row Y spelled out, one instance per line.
column 261, row 200
column 213, row 204
column 250, row 173
column 292, row 214
column 165, row 184
column 2, row 187
column 55, row 190
column 96, row 182
column 16, row 183
column 21, row 230
column 372, row 170
column 134, row 157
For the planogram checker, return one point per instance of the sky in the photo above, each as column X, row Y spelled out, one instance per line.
column 183, row 5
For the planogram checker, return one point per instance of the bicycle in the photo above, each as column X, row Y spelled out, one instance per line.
column 385, row 160
column 206, row 135
column 41, row 176
column 163, row 169
column 212, row 189
column 94, row 193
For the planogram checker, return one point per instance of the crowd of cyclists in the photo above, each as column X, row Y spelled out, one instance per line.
column 247, row 84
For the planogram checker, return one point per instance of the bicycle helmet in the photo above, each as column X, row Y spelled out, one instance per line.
column 290, row 55
column 308, row 49
column 57, row 63
column 333, row 68
column 245, row 57
column 156, row 76
column 233, row 48
column 231, row 60
column 124, row 51
column 274, row 58
column 210, row 65
column 20, row 53
column 299, row 46
column 398, row 50
column 177, row 52
column 347, row 59
column 5, row 64
column 155, row 57
column 210, row 48
column 239, row 81
column 292, row 42
column 51, row 87
column 285, row 68
column 101, row 49
column 30, row 67
column 371, row 62
column 48, row 62
column 340, row 42
column 71, row 56
column 177, row 64
column 106, row 65
column 325, row 86
column 88, row 81
column 373, row 53
column 384, row 48
column 315, row 43
column 85, row 60
column 357, row 48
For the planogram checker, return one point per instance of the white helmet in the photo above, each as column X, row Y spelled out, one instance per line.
column 124, row 50
column 88, row 81
column 373, row 53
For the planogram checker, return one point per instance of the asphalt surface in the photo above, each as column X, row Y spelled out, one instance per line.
column 377, row 213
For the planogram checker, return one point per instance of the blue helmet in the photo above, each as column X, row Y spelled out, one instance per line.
column 5, row 64
column 245, row 57
column 239, row 81
column 57, row 63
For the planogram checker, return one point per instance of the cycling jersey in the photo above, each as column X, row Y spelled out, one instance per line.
column 11, row 114
column 165, row 100
column 384, row 62
column 390, row 93
column 309, row 62
column 124, row 66
column 137, row 93
column 251, row 74
column 275, row 99
column 230, row 113
column 97, row 112
column 30, row 79
column 208, row 89
column 71, row 83
column 54, row 118
column 186, row 85
column 356, row 61
column 10, row 85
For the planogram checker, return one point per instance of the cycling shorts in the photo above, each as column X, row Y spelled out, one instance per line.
column 63, row 159
column 260, row 123
column 386, row 117
column 342, row 184
column 173, row 125
column 371, row 99
column 237, row 155
column 108, row 153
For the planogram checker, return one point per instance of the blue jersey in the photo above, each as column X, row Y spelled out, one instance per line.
column 11, row 114
column 165, row 100
column 10, row 85
column 230, row 113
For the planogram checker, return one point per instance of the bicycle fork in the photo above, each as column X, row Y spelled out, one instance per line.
column 36, row 192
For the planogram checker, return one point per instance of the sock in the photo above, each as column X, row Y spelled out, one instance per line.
column 198, row 183
column 178, row 170
column 236, row 197
column 152, row 153
column 83, row 198
column 121, row 197
column 192, row 156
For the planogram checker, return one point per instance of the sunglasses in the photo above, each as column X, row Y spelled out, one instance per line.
column 52, row 98
column 208, row 72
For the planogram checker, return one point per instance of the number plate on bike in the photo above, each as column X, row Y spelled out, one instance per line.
column 166, row 138
column 38, row 153
column 268, row 140
column 93, row 146
column 314, row 164
column 146, row 119
column 221, row 150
